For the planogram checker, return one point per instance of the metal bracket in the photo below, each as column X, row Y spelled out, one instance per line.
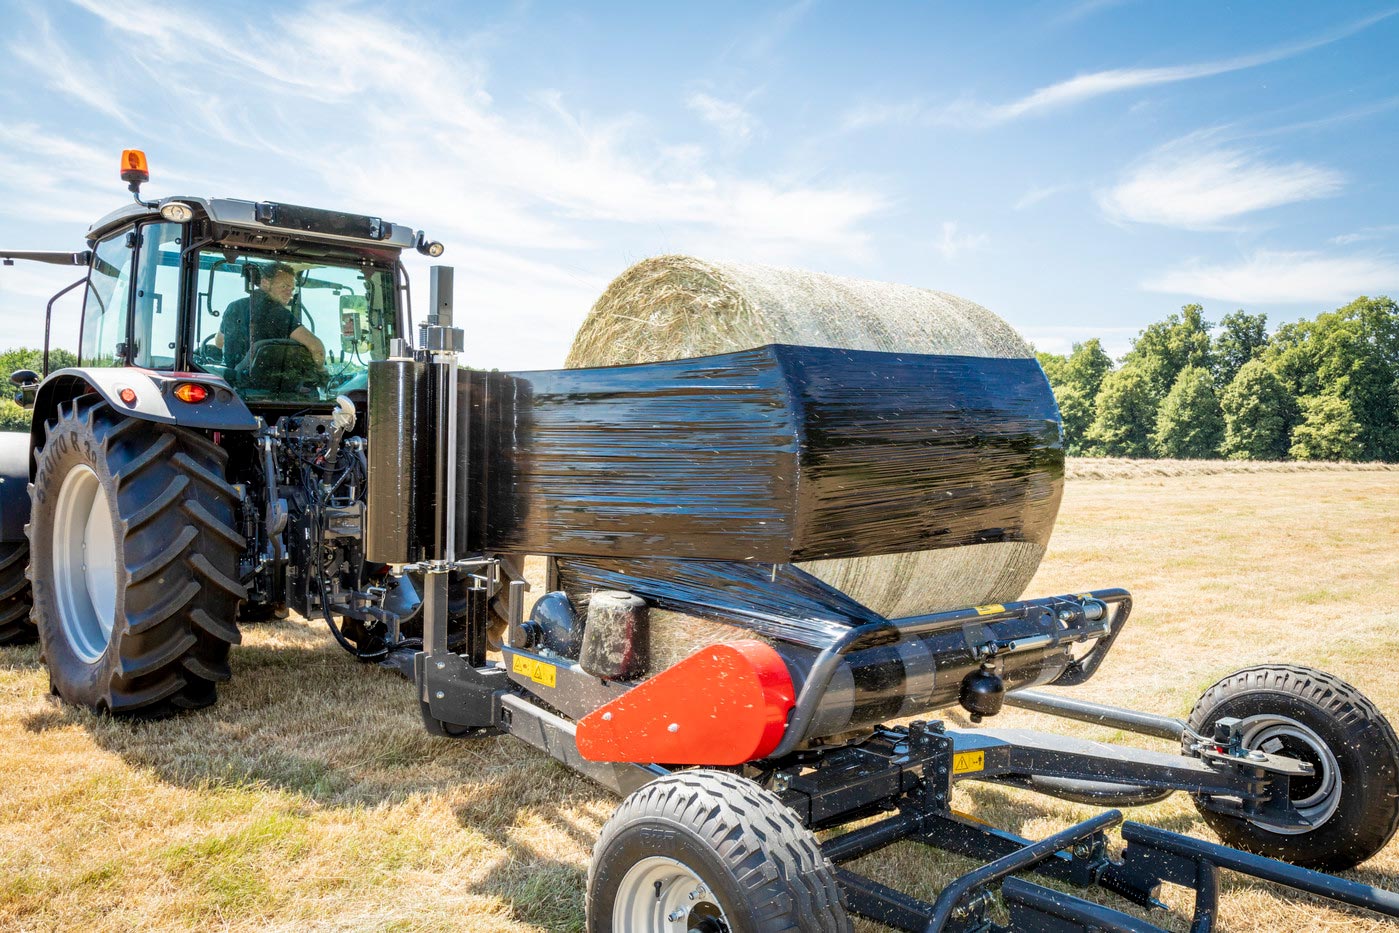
column 457, row 699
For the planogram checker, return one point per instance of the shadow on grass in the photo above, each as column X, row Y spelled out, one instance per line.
column 307, row 721
column 303, row 719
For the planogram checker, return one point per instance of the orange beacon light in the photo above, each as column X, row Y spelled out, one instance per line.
column 134, row 170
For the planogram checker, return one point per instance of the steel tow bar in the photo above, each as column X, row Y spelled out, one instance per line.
column 1193, row 863
column 955, row 893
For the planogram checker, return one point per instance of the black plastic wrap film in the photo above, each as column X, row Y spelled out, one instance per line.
column 400, row 454
column 776, row 600
column 772, row 455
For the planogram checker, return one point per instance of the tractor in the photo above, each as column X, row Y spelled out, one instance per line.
column 251, row 431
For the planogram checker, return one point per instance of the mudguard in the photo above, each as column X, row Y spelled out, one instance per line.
column 152, row 398
column 14, row 480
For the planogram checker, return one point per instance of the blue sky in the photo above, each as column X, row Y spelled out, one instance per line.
column 1082, row 169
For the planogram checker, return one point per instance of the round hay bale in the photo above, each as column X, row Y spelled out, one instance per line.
column 674, row 307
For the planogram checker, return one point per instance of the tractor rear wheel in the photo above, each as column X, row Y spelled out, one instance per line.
column 706, row 850
column 1352, row 797
column 16, row 628
column 134, row 561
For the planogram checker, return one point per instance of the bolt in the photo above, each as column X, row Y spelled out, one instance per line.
column 606, row 717
column 673, row 727
column 441, row 665
column 676, row 915
column 440, row 695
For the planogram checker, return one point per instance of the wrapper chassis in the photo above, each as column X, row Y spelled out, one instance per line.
column 908, row 771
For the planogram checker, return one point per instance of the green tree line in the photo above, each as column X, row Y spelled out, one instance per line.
column 12, row 416
column 1323, row 389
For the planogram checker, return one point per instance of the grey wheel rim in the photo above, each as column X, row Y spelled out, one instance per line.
column 1282, row 735
column 84, row 562
column 664, row 895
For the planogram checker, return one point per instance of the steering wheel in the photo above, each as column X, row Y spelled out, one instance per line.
column 281, row 364
column 207, row 352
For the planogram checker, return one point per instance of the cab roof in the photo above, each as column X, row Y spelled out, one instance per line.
column 273, row 218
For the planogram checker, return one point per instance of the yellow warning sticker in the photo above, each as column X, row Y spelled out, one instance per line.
column 968, row 762
column 541, row 672
column 990, row 610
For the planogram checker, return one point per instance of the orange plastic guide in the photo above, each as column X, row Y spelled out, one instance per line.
column 723, row 705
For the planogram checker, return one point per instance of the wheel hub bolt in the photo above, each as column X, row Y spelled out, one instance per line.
column 676, row 915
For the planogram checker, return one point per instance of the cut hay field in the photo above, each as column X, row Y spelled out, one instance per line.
column 310, row 798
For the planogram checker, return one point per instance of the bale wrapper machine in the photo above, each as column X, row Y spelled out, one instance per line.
column 676, row 501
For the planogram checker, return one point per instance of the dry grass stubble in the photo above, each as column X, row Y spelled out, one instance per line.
column 310, row 799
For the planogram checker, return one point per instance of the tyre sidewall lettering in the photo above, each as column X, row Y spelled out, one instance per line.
column 78, row 680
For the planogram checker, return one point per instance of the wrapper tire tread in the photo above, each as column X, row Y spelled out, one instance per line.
column 1365, row 746
column 775, row 864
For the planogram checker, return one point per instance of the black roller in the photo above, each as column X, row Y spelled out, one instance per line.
column 398, row 448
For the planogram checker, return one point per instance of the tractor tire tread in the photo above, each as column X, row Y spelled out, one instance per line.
column 16, row 628
column 177, row 561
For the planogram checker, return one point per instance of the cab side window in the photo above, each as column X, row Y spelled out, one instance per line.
column 108, row 297
column 157, row 307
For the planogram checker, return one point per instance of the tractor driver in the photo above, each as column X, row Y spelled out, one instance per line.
column 272, row 319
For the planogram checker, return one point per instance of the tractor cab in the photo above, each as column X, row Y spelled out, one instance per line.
column 287, row 304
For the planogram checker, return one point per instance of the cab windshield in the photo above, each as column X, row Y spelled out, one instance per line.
column 284, row 329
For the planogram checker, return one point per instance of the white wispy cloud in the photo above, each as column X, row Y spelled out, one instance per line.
column 1082, row 10
column 62, row 179
column 533, row 198
column 1365, row 234
column 760, row 40
column 68, row 74
column 1278, row 277
column 731, row 119
column 1195, row 183
column 951, row 242
column 1035, row 195
column 1083, row 87
column 454, row 159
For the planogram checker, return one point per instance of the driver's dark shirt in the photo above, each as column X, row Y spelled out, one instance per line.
column 271, row 321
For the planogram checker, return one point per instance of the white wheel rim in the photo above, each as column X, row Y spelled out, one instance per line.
column 85, row 564
column 663, row 895
column 1284, row 736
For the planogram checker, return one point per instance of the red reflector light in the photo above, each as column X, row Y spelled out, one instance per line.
column 128, row 396
column 191, row 392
